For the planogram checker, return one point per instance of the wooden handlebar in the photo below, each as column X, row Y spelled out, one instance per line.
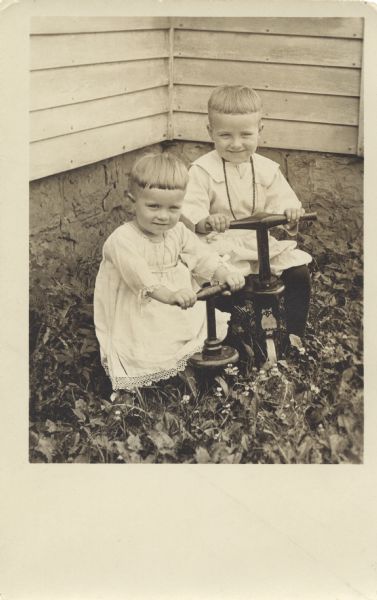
column 263, row 219
column 211, row 290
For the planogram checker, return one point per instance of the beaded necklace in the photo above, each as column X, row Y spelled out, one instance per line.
column 227, row 188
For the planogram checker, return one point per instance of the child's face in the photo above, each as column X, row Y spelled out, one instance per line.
column 235, row 136
column 156, row 210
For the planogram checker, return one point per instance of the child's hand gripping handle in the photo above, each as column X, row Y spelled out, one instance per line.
column 267, row 220
column 211, row 290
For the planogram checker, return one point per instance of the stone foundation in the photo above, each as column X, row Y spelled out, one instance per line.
column 72, row 213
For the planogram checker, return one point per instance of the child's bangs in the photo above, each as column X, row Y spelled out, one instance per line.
column 161, row 171
column 234, row 100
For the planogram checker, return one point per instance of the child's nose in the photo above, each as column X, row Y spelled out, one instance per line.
column 163, row 215
column 236, row 143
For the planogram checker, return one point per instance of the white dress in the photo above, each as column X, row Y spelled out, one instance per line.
column 206, row 194
column 141, row 339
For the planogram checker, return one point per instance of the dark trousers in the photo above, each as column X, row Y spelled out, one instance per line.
column 296, row 300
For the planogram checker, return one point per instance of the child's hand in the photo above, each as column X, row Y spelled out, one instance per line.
column 218, row 222
column 184, row 298
column 235, row 280
column 293, row 215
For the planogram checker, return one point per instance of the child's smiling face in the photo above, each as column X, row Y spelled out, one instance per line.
column 157, row 210
column 235, row 136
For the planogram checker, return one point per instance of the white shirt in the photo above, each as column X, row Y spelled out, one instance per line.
column 206, row 190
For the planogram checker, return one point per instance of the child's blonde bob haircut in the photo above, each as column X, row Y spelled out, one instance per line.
column 234, row 100
column 158, row 171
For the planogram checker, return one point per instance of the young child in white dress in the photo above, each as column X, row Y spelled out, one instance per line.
column 232, row 182
column 146, row 278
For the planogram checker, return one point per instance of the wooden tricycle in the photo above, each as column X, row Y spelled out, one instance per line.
column 264, row 285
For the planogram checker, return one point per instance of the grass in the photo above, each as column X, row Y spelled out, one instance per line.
column 309, row 410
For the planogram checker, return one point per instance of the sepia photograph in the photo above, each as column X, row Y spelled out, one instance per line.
column 187, row 243
column 196, row 240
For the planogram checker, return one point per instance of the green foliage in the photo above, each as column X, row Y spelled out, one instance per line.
column 309, row 410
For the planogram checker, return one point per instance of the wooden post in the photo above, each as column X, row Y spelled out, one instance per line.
column 171, row 84
column 360, row 133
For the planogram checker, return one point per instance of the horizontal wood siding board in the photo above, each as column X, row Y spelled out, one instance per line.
column 57, row 87
column 48, row 52
column 315, row 108
column 293, row 78
column 67, row 152
column 61, row 25
column 267, row 48
column 350, row 27
column 64, row 120
column 279, row 134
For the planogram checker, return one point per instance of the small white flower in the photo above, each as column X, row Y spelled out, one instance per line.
column 117, row 412
column 185, row 398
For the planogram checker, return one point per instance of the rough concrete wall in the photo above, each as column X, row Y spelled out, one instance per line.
column 72, row 213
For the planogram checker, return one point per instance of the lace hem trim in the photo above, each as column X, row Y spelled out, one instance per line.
column 129, row 383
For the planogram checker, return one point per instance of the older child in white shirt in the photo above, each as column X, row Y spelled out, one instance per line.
column 232, row 182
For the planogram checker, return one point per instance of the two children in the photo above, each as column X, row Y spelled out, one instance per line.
column 145, row 280
column 146, row 275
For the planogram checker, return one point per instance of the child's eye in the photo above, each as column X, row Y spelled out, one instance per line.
column 152, row 205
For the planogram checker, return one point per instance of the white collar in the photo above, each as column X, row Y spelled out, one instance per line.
column 212, row 163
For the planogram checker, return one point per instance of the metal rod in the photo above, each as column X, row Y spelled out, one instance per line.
column 263, row 254
column 211, row 319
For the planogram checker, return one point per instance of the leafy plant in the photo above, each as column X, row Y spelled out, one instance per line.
column 308, row 410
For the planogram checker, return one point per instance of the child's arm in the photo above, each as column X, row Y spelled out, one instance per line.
column 281, row 199
column 207, row 264
column 234, row 279
column 216, row 222
column 196, row 206
column 184, row 297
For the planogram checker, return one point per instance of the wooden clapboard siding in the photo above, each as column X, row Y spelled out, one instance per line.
column 102, row 86
column 85, row 147
column 334, row 27
column 61, row 25
column 307, row 71
column 268, row 48
column 57, row 87
column 317, row 108
column 63, row 120
column 293, row 78
column 51, row 51
column 280, row 134
column 99, row 87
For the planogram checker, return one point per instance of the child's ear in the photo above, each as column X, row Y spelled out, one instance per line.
column 209, row 129
column 260, row 126
column 130, row 196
